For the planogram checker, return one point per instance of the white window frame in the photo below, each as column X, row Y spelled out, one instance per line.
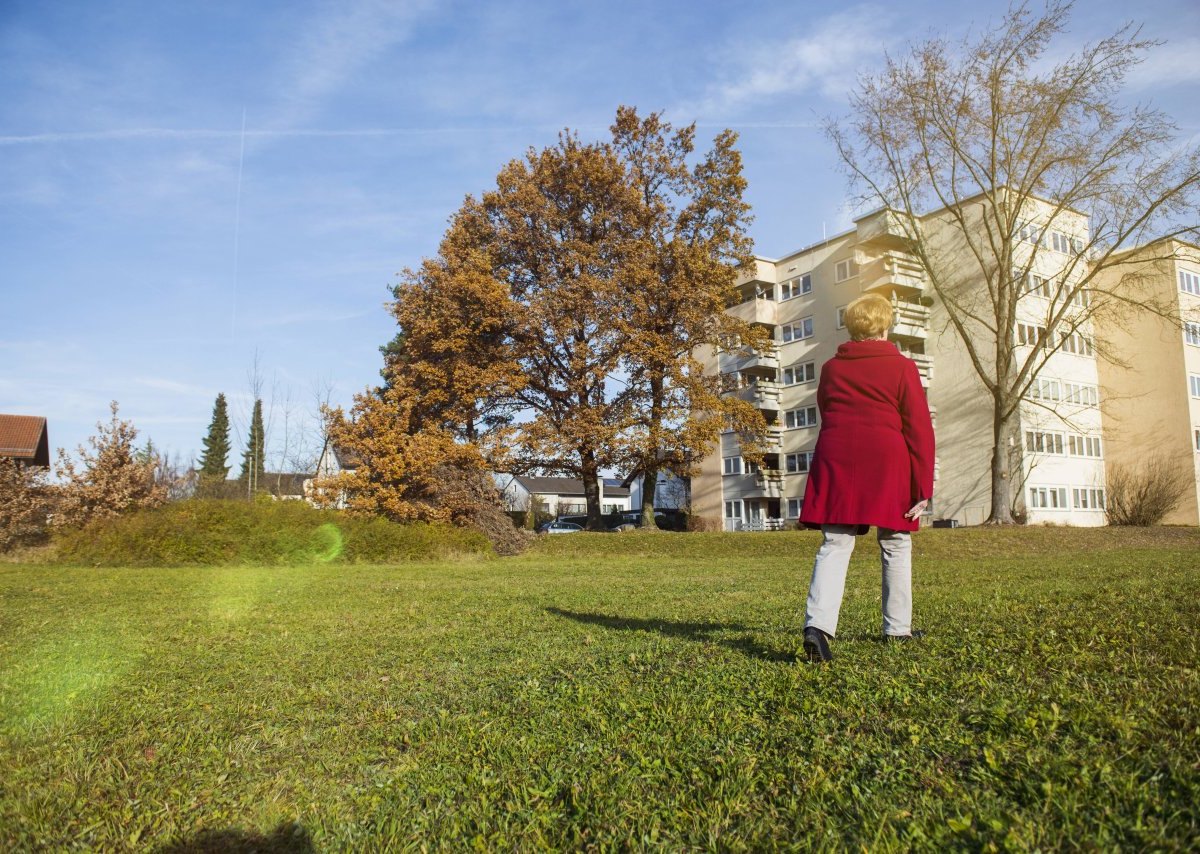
column 799, row 463
column 1048, row 498
column 731, row 465
column 1191, row 333
column 794, row 506
column 1189, row 282
column 800, row 373
column 804, row 326
column 844, row 270
column 1076, row 343
column 1080, row 394
column 1088, row 498
column 1045, row 388
column 1082, row 445
column 1038, row 286
column 841, row 317
column 1194, row 384
column 802, row 418
column 795, row 287
column 1044, row 442
column 733, row 509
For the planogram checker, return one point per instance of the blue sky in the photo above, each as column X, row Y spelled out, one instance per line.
column 151, row 249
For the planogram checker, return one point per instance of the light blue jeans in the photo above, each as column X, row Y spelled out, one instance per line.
column 829, row 579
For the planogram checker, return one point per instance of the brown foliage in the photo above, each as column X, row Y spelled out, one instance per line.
column 409, row 474
column 25, row 502
column 110, row 479
column 1143, row 495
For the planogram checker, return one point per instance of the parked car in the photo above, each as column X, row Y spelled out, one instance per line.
column 559, row 528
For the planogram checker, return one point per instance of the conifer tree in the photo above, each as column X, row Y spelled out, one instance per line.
column 253, row 465
column 214, row 462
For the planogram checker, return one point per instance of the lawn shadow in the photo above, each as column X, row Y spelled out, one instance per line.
column 700, row 632
column 287, row 838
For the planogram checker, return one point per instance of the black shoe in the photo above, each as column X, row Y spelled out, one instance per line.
column 917, row 635
column 816, row 645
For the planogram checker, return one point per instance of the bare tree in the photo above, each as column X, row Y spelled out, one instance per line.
column 1016, row 182
column 1144, row 494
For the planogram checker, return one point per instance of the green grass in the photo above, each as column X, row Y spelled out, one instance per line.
column 610, row 692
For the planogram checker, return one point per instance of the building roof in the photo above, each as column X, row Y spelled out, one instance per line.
column 285, row 483
column 565, row 486
column 24, row 438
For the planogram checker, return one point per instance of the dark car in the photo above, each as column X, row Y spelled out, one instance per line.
column 559, row 528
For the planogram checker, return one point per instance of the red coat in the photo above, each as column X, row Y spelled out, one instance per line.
column 874, row 455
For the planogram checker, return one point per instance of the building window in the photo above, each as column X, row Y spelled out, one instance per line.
column 751, row 468
column 1045, row 389
column 1197, row 437
column 1048, row 497
column 805, row 372
column 1083, row 395
column 1081, row 298
column 795, row 287
column 733, row 509
column 1034, row 336
column 1029, row 233
column 798, row 331
column 733, row 465
column 1037, row 286
column 1077, row 343
column 806, row 417
column 1083, row 446
column 799, row 463
column 1189, row 282
column 1087, row 498
column 1043, row 443
column 1194, row 383
column 793, row 507
column 841, row 318
column 844, row 270
column 1191, row 333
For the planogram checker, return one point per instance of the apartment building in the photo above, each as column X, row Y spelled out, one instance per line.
column 1152, row 404
column 1057, row 451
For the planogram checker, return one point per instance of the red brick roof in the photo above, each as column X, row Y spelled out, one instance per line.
column 23, row 437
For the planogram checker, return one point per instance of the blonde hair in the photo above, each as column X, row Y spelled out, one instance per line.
column 868, row 317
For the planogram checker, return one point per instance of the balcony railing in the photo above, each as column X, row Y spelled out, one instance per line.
column 885, row 228
column 756, row 310
column 764, row 394
column 890, row 272
column 770, row 481
column 924, row 364
column 910, row 319
column 752, row 362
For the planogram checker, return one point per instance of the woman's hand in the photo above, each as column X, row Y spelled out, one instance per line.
column 917, row 509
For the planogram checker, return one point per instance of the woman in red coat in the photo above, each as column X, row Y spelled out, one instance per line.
column 873, row 465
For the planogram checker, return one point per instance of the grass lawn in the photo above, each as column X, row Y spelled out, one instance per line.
column 610, row 691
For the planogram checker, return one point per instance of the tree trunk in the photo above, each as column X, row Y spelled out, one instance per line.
column 590, row 472
column 649, row 482
column 1002, row 480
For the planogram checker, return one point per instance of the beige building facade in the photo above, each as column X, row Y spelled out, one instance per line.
column 1058, row 448
column 1153, row 386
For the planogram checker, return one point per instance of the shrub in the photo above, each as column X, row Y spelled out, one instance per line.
column 210, row 532
column 24, row 504
column 1144, row 495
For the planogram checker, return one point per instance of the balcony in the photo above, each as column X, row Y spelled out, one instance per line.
column 924, row 364
column 910, row 320
column 751, row 362
column 763, row 394
column 756, row 310
column 770, row 481
column 890, row 273
column 885, row 228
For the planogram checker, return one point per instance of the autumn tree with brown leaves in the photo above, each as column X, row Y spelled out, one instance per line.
column 556, row 327
column 984, row 150
column 25, row 503
column 691, row 237
column 110, row 477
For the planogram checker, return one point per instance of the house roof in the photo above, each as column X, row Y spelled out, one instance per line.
column 565, row 486
column 285, row 483
column 24, row 438
column 347, row 460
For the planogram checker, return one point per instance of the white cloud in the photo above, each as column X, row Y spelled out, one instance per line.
column 336, row 46
column 1170, row 64
column 825, row 60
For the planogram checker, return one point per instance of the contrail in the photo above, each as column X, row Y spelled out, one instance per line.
column 237, row 228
